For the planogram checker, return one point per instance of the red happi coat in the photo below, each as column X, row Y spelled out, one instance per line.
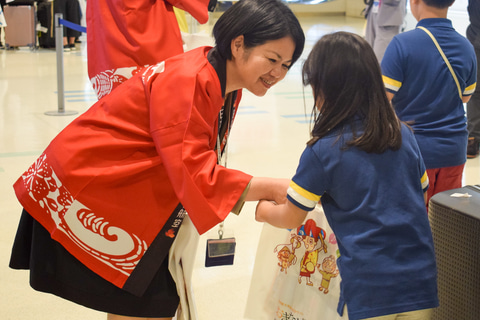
column 124, row 36
column 106, row 185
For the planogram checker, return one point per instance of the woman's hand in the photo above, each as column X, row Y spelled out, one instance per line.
column 273, row 189
column 280, row 191
column 286, row 215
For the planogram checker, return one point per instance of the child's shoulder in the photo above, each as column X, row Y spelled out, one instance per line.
column 408, row 37
column 415, row 39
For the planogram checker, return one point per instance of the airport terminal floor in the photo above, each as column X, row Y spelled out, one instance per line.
column 267, row 139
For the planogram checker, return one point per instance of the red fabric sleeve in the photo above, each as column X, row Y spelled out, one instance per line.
column 185, row 131
column 197, row 8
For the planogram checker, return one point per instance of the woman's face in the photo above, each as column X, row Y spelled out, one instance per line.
column 257, row 69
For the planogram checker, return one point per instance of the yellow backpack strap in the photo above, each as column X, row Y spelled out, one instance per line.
column 445, row 59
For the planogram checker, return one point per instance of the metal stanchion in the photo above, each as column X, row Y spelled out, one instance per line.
column 59, row 50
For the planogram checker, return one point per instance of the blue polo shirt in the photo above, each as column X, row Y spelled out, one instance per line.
column 374, row 205
column 425, row 93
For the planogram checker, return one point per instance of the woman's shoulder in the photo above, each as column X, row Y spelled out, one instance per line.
column 184, row 69
column 190, row 62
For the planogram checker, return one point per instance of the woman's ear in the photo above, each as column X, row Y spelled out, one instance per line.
column 237, row 46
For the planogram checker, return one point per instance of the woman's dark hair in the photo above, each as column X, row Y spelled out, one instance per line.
column 258, row 21
column 347, row 83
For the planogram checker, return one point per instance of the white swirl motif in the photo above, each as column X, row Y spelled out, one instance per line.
column 93, row 234
column 96, row 233
column 104, row 82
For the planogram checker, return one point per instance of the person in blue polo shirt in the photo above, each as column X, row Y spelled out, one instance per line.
column 429, row 72
column 365, row 167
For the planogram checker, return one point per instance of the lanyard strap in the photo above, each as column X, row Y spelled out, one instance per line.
column 141, row 277
column 444, row 59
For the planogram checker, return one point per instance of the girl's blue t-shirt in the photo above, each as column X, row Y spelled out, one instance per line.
column 374, row 204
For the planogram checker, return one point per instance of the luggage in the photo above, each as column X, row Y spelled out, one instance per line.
column 45, row 17
column 21, row 2
column 20, row 30
column 455, row 220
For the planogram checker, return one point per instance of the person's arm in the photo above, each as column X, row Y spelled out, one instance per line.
column 390, row 95
column 285, row 215
column 392, row 68
column 465, row 99
column 198, row 9
column 273, row 189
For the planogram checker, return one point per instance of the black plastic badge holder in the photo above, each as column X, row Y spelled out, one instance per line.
column 220, row 252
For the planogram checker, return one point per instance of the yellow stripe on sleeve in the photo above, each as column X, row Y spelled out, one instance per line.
column 304, row 193
column 391, row 84
column 424, row 180
column 470, row 89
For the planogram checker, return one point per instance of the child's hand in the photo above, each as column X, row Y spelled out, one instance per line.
column 263, row 207
column 285, row 215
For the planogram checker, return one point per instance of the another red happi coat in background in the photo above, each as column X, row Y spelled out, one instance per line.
column 125, row 35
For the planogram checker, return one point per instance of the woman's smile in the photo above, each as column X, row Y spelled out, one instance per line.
column 258, row 69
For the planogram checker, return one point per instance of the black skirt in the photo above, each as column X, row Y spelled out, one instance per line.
column 54, row 270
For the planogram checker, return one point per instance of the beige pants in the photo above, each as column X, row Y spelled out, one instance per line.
column 425, row 314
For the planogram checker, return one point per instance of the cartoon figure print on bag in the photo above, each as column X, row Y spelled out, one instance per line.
column 313, row 257
column 329, row 266
column 286, row 255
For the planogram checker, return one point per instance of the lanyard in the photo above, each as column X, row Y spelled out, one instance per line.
column 225, row 119
column 444, row 59
column 227, row 112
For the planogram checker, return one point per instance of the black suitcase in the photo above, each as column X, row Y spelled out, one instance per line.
column 455, row 223
column 45, row 17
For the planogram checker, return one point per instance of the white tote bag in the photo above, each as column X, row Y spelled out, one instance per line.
column 295, row 276
column 181, row 262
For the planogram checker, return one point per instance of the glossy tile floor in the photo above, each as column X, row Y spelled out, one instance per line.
column 267, row 140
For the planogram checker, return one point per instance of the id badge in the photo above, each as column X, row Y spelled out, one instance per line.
column 376, row 5
column 220, row 252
